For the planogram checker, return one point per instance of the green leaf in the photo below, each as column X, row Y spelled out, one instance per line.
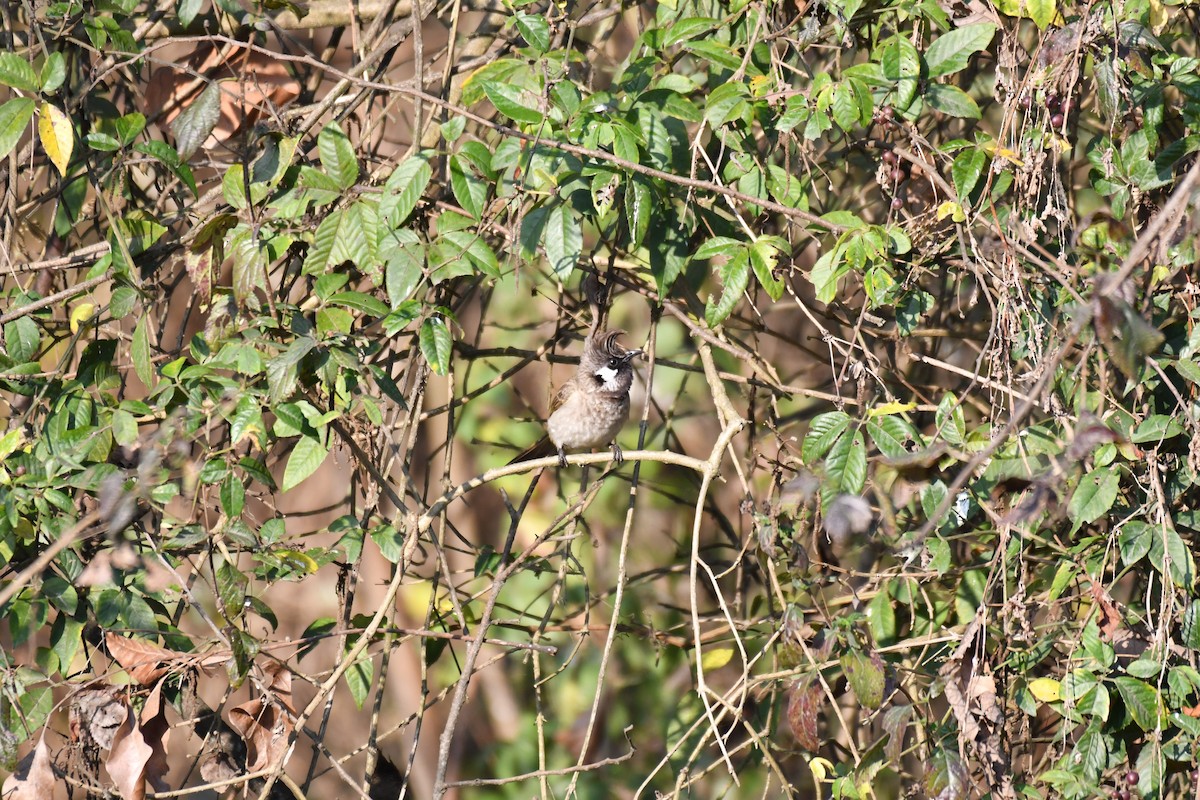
column 951, row 51
column 124, row 428
column 307, row 456
column 735, row 277
column 196, row 122
column 966, row 170
column 865, row 676
column 389, row 541
column 54, row 73
column 360, row 302
column 337, row 155
column 436, row 343
column 822, row 433
column 403, row 190
column 535, row 29
column 881, row 617
column 167, row 155
column 1189, row 632
column 358, row 678
column 139, row 352
column 349, row 235
column 890, row 434
column 1094, row 496
column 231, row 589
column 952, row 100
column 14, row 118
column 22, row 337
column 18, row 73
column 950, row 421
column 1135, row 541
column 901, row 65
column 639, row 207
column 469, row 190
column 233, row 496
column 563, row 241
column 512, row 102
column 1156, row 428
column 764, row 256
column 1141, row 700
column 846, row 467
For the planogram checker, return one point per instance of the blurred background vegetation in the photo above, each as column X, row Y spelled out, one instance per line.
column 909, row 506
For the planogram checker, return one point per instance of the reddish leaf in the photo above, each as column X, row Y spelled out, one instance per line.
column 803, row 714
column 33, row 778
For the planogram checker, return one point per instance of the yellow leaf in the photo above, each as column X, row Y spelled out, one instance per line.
column 1158, row 17
column 58, row 138
column 1047, row 690
column 300, row 562
column 716, row 657
column 80, row 314
column 820, row 769
column 949, row 208
column 888, row 409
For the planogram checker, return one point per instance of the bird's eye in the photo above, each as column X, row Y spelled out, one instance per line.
column 614, row 362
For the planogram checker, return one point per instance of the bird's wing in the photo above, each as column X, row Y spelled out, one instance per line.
column 562, row 395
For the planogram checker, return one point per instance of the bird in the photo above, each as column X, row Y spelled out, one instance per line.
column 590, row 409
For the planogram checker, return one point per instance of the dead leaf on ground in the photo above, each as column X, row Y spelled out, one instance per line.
column 33, row 778
column 266, row 722
column 251, row 83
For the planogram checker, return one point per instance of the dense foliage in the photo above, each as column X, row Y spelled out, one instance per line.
column 913, row 501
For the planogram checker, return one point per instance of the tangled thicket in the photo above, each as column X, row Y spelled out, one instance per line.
column 910, row 504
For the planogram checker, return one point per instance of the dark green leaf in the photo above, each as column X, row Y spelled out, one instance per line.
column 196, row 122
column 14, row 118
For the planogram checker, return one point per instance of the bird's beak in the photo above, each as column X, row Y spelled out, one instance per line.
column 632, row 354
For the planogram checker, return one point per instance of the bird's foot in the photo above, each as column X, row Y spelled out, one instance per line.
column 562, row 458
column 618, row 456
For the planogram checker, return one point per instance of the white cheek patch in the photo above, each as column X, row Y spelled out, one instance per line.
column 608, row 376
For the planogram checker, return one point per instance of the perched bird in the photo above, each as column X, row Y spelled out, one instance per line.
column 591, row 407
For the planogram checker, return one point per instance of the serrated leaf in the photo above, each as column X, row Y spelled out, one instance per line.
column 403, row 190
column 57, row 136
column 337, row 155
column 307, row 456
column 511, row 102
column 890, row 435
column 14, row 116
column 436, row 343
column 951, row 51
column 167, row 155
column 846, row 467
column 348, row 235
column 196, row 122
column 563, row 241
column 764, row 256
column 822, row 433
column 18, row 73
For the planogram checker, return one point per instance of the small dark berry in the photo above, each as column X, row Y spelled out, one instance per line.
column 889, row 157
column 1025, row 101
column 1132, row 777
column 897, row 174
column 1057, row 121
column 19, row 471
column 1053, row 102
column 897, row 203
column 887, row 112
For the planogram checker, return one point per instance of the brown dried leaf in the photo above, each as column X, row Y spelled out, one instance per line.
column 1110, row 619
column 127, row 761
column 98, row 572
column 266, row 722
column 97, row 711
column 145, row 662
column 33, row 778
column 156, row 731
column 803, row 714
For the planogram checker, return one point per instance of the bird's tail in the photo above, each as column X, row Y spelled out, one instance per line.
column 540, row 449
